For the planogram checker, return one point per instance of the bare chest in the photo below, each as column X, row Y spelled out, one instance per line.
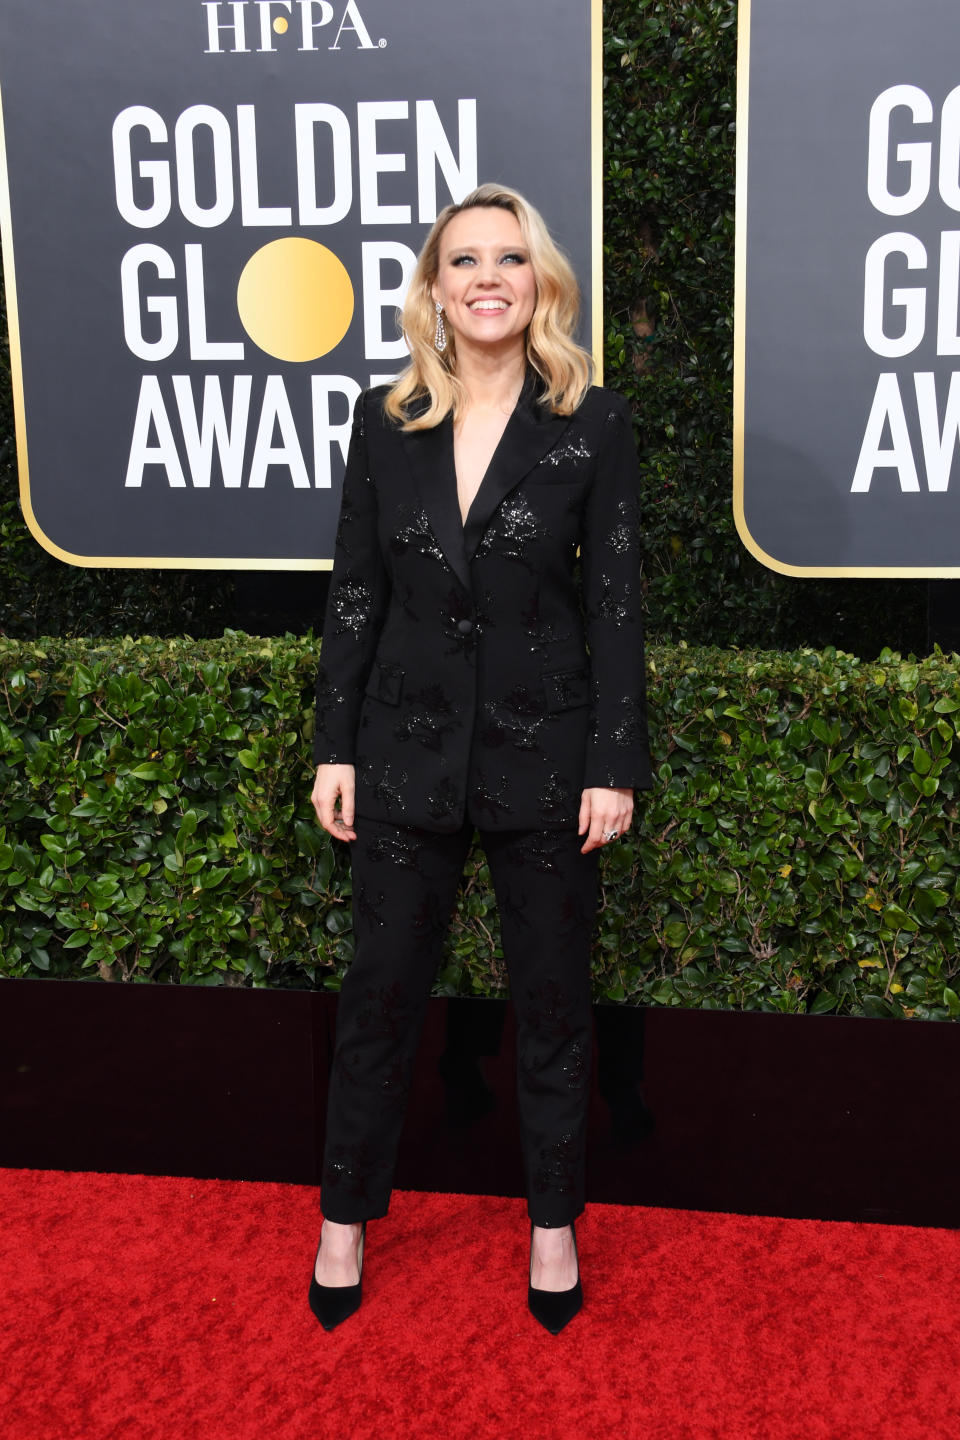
column 474, row 442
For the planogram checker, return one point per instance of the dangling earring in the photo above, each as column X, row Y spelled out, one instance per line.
column 440, row 339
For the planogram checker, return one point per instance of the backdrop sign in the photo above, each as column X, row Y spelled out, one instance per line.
column 211, row 214
column 848, row 287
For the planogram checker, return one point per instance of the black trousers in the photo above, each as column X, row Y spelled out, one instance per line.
column 404, row 888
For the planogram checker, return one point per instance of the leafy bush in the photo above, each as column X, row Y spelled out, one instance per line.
column 798, row 853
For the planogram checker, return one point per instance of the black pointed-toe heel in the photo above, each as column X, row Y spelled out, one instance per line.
column 555, row 1308
column 332, row 1304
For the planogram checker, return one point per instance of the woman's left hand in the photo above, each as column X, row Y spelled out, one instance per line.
column 603, row 812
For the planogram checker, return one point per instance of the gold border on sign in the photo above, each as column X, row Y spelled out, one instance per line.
column 874, row 572
column 168, row 562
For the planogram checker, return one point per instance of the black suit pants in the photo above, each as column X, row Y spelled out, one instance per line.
column 404, row 888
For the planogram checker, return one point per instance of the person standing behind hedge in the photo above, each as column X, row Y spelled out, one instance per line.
column 474, row 675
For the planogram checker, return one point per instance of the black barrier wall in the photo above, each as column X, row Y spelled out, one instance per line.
column 800, row 1116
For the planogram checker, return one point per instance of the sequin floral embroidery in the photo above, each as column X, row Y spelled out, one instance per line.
column 570, row 450
column 351, row 605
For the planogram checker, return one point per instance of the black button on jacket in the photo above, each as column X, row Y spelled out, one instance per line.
column 491, row 670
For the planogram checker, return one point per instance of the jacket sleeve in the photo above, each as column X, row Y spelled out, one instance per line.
column 356, row 606
column 618, row 752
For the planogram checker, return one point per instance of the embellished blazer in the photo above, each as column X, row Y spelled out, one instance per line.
column 486, row 671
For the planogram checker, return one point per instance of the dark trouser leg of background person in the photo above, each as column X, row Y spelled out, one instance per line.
column 620, row 1048
column 472, row 1031
column 547, row 896
column 404, row 887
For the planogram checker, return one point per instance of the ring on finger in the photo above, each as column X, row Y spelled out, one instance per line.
column 611, row 834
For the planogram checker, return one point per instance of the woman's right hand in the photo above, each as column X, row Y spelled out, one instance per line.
column 333, row 784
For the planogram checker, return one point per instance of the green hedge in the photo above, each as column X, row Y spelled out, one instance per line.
column 798, row 852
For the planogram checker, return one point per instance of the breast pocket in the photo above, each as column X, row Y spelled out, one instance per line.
column 386, row 683
column 567, row 689
column 543, row 479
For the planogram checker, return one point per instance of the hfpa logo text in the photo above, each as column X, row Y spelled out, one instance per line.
column 239, row 27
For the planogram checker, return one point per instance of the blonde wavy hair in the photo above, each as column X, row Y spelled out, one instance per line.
column 564, row 366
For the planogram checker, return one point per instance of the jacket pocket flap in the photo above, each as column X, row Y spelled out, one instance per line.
column 566, row 689
column 385, row 683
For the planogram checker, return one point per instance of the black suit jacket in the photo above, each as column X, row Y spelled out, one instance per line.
column 484, row 671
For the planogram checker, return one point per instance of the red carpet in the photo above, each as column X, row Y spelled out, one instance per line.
column 152, row 1307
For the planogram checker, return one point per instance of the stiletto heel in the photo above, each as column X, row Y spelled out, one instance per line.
column 555, row 1308
column 332, row 1304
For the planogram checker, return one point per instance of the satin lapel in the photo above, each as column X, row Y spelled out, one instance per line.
column 530, row 432
column 430, row 454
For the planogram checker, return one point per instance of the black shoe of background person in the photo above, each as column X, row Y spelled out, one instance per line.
column 631, row 1119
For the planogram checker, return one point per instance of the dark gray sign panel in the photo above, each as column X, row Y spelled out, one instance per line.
column 211, row 209
column 847, row 413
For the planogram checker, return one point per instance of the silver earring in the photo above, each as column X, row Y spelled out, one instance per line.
column 440, row 339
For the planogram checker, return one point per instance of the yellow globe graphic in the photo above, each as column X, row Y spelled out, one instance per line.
column 295, row 299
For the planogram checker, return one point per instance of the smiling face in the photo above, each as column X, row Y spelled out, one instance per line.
column 485, row 281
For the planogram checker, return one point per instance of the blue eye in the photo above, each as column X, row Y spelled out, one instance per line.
column 514, row 259
column 463, row 260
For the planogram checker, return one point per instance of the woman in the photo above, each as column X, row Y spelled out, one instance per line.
column 469, row 679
